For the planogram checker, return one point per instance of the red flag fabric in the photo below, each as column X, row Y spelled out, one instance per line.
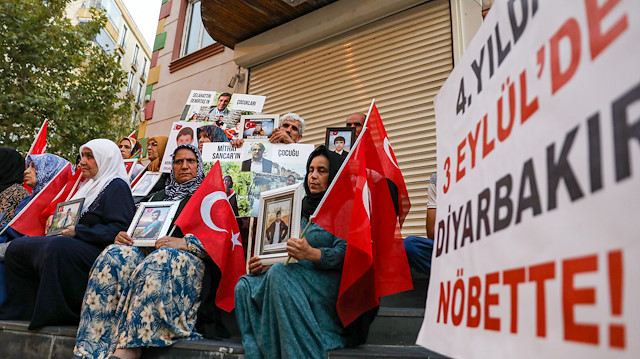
column 29, row 221
column 132, row 135
column 388, row 160
column 208, row 216
column 39, row 145
column 358, row 208
column 69, row 190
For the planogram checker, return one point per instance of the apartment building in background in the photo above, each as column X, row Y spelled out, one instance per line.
column 121, row 37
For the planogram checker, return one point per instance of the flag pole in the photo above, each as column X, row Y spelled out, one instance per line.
column 304, row 231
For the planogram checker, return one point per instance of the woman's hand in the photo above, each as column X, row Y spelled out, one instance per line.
column 172, row 242
column 69, row 231
column 48, row 224
column 124, row 239
column 300, row 249
column 256, row 267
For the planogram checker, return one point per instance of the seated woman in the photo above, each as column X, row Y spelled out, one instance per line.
column 47, row 276
column 11, row 190
column 156, row 146
column 290, row 311
column 210, row 133
column 137, row 298
column 130, row 148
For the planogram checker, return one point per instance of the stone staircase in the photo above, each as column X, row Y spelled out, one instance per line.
column 391, row 335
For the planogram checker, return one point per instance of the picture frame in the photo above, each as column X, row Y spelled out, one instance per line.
column 347, row 133
column 249, row 124
column 146, row 227
column 145, row 184
column 278, row 220
column 66, row 214
column 130, row 165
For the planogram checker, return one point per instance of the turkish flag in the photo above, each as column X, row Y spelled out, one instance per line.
column 221, row 239
column 358, row 208
column 388, row 160
column 32, row 218
column 249, row 125
column 39, row 145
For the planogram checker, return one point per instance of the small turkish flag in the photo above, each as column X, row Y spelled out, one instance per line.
column 249, row 125
column 221, row 239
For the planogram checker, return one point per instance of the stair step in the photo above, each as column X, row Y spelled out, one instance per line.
column 384, row 351
column 395, row 326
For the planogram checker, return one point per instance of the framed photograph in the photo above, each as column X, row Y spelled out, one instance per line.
column 65, row 215
column 340, row 139
column 258, row 127
column 129, row 165
column 152, row 221
column 278, row 220
column 145, row 184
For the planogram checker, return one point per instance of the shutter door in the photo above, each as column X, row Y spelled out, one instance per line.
column 401, row 61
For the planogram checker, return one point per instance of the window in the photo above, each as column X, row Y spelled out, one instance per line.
column 139, row 94
column 196, row 37
column 135, row 55
column 103, row 40
column 130, row 82
column 123, row 36
column 144, row 67
column 113, row 12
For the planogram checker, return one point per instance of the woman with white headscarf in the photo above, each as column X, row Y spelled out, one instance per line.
column 47, row 276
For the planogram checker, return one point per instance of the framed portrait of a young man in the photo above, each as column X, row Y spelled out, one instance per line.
column 145, row 184
column 278, row 220
column 258, row 127
column 340, row 139
column 65, row 215
column 152, row 221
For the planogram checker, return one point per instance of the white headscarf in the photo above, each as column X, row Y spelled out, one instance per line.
column 110, row 166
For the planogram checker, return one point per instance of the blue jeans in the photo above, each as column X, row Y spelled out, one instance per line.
column 419, row 253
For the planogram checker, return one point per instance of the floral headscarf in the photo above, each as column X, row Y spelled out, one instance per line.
column 47, row 166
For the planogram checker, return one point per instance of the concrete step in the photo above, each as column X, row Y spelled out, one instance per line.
column 395, row 326
column 384, row 351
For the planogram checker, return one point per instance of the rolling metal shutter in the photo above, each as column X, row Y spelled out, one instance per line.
column 401, row 61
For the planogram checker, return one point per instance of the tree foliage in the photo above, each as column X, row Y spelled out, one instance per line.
column 50, row 69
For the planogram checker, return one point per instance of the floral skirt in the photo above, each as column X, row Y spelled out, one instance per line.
column 135, row 301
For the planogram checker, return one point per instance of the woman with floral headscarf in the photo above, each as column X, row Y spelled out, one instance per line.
column 41, row 169
column 130, row 148
column 47, row 276
column 137, row 297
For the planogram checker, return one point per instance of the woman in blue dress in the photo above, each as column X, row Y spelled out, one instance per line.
column 290, row 311
column 141, row 297
column 47, row 276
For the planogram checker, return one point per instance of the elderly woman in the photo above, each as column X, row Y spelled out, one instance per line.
column 210, row 133
column 155, row 151
column 290, row 311
column 137, row 297
column 130, row 148
column 47, row 276
column 11, row 190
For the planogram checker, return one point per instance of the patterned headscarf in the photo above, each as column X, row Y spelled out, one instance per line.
column 47, row 166
column 12, row 167
column 154, row 166
column 176, row 191
column 215, row 133
column 136, row 147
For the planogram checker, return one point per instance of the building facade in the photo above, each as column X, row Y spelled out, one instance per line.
column 323, row 60
column 121, row 37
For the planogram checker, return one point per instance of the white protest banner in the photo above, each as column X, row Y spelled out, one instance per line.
column 244, row 102
column 538, row 191
column 220, row 151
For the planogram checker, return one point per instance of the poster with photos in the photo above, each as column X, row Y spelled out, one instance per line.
column 257, row 167
column 221, row 108
column 340, row 139
column 181, row 133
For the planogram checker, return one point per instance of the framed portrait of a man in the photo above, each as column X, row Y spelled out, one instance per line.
column 152, row 221
column 340, row 140
column 258, row 127
column 278, row 220
column 65, row 215
column 145, row 184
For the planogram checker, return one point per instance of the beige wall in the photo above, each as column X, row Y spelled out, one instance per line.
column 172, row 89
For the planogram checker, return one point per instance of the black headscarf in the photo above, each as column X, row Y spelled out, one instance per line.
column 13, row 167
column 312, row 200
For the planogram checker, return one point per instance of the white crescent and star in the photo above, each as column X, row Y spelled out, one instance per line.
column 366, row 199
column 387, row 150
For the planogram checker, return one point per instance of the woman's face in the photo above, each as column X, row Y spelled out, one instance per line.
column 30, row 175
column 185, row 165
column 318, row 178
column 125, row 148
column 154, row 216
column 203, row 139
column 228, row 182
column 88, row 164
column 152, row 150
